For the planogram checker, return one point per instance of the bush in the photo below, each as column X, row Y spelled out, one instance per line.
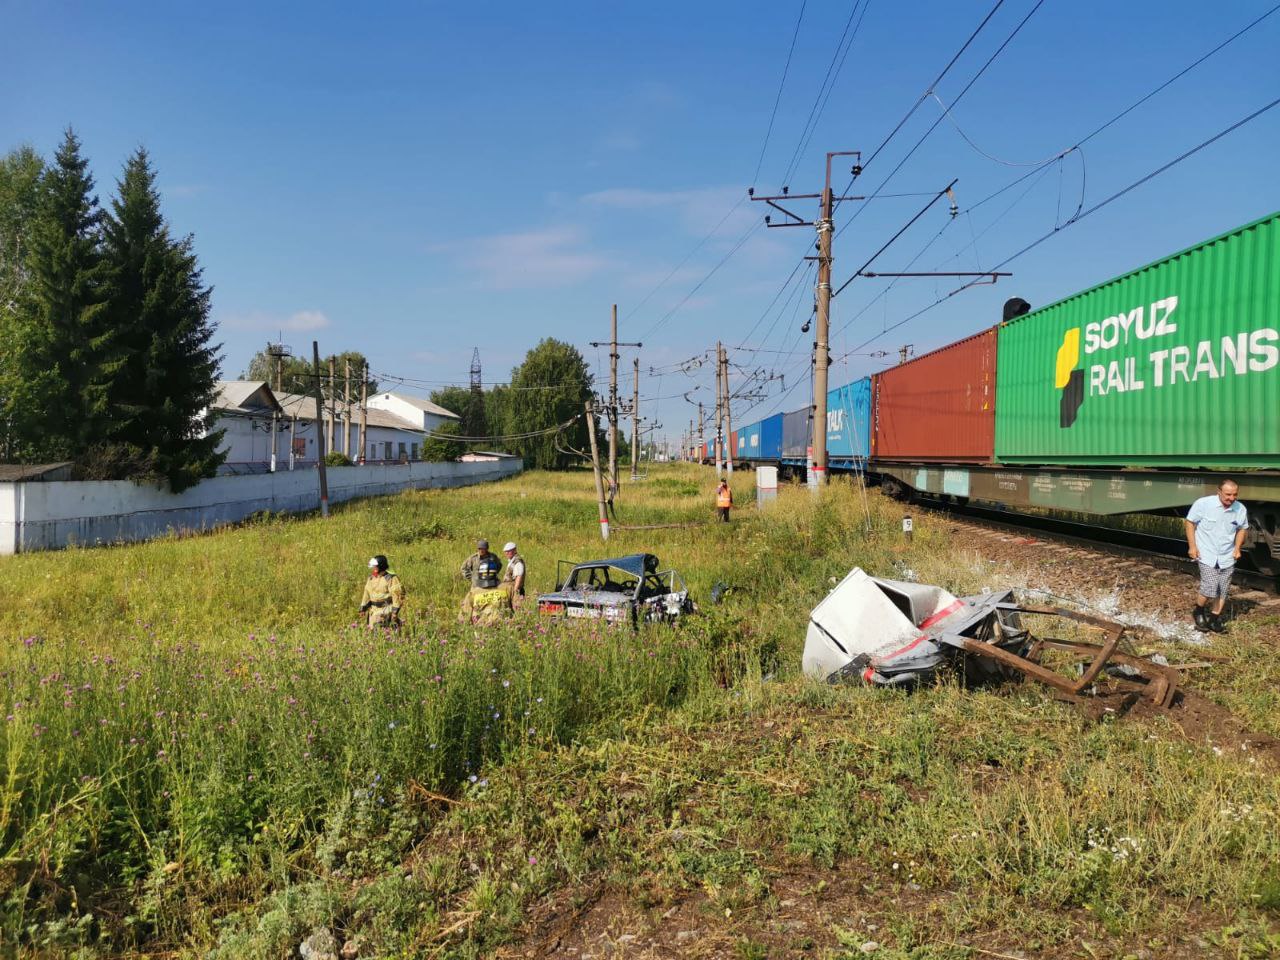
column 336, row 459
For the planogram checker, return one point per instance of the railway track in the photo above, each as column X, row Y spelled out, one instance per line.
column 1163, row 553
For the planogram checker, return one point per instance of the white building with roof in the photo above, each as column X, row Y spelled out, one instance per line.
column 258, row 423
column 426, row 415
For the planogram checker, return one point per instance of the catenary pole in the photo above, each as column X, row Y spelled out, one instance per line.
column 728, row 419
column 702, row 437
column 635, row 421
column 320, row 448
column 821, row 348
column 719, row 414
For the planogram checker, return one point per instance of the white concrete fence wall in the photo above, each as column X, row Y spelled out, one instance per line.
column 48, row 516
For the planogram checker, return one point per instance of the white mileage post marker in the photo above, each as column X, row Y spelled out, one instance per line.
column 907, row 526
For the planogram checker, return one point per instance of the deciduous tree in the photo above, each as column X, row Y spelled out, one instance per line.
column 551, row 385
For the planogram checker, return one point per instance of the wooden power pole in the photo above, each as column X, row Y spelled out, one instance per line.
column 320, row 448
column 595, row 467
column 611, row 409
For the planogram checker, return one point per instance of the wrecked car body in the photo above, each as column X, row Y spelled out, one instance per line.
column 895, row 633
column 620, row 589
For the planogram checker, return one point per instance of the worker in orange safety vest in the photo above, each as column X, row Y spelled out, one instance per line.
column 724, row 500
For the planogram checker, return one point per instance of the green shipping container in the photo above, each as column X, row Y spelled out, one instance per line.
column 1176, row 364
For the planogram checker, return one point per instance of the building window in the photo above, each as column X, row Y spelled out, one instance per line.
column 415, row 452
column 299, row 448
column 404, row 453
column 386, row 450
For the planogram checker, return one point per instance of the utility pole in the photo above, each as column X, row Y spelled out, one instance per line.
column 333, row 403
column 817, row 456
column 595, row 467
column 688, row 443
column 346, row 410
column 277, row 351
column 728, row 420
column 364, row 412
column 904, row 352
column 324, row 480
column 611, row 409
column 635, row 421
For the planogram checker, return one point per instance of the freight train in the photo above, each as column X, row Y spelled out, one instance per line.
column 1135, row 396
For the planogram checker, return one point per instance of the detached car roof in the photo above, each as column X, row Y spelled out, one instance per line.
column 636, row 564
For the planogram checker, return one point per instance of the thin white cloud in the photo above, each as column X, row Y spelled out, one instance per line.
column 699, row 209
column 262, row 321
column 551, row 257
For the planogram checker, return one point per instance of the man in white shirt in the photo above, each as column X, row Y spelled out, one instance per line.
column 1216, row 527
column 515, row 571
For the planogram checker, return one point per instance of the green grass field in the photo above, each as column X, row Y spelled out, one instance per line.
column 202, row 753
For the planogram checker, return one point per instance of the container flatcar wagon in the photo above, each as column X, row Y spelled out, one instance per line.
column 1137, row 395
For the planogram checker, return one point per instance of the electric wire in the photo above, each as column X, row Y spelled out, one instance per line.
column 778, row 99
column 960, row 96
column 687, row 257
column 698, row 286
column 806, row 135
column 1093, row 209
column 791, row 276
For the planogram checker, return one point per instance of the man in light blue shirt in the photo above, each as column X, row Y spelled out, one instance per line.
column 1216, row 528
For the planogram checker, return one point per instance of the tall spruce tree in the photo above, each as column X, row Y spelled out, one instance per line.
column 20, row 175
column 71, row 357
column 157, row 303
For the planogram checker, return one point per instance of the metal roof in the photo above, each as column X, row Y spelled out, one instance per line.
column 304, row 408
column 423, row 404
column 15, row 472
column 247, row 395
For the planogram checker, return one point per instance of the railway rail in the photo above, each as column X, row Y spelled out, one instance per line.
column 1166, row 553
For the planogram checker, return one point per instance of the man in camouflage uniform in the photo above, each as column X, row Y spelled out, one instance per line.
column 471, row 565
column 489, row 601
column 383, row 595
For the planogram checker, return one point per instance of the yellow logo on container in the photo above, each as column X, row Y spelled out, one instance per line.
column 1068, row 376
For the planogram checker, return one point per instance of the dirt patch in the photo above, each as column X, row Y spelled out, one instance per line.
column 809, row 912
column 1204, row 722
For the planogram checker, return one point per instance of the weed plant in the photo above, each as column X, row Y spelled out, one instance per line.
column 200, row 751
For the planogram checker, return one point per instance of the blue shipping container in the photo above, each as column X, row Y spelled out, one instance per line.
column 749, row 442
column 771, row 438
column 849, row 420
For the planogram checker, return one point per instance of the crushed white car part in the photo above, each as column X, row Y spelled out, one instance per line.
column 894, row 633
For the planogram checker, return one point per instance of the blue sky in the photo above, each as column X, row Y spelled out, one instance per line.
column 415, row 180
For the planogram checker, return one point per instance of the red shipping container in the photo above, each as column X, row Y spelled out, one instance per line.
column 940, row 407
column 732, row 452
